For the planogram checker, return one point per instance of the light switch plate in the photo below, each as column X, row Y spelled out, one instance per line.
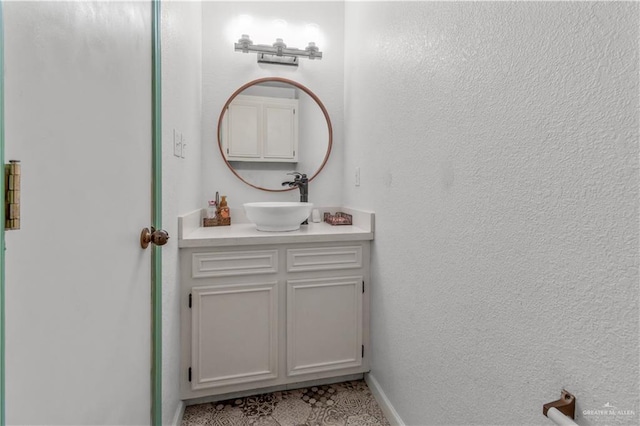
column 177, row 143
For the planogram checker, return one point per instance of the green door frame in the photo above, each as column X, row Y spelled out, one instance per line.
column 156, row 261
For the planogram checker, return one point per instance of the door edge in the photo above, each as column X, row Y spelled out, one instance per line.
column 156, row 257
column 2, row 228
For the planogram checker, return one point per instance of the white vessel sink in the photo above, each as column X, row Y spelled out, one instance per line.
column 278, row 216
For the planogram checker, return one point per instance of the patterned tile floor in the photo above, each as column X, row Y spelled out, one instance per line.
column 344, row 404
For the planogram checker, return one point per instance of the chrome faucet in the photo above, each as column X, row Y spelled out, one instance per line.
column 301, row 182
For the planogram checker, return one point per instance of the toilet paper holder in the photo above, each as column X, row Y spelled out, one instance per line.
column 566, row 405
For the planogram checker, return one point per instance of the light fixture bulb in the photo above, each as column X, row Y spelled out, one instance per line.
column 280, row 28
column 243, row 22
column 311, row 32
column 240, row 24
column 279, row 24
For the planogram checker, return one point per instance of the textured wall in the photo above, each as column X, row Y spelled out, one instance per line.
column 224, row 71
column 182, row 180
column 498, row 144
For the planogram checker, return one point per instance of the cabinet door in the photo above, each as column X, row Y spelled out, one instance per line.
column 324, row 324
column 243, row 137
column 280, row 131
column 234, row 334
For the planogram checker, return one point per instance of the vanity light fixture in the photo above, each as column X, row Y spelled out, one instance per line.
column 278, row 53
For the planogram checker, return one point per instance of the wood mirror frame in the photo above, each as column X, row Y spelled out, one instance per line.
column 279, row 80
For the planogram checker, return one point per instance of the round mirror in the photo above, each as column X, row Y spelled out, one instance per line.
column 273, row 126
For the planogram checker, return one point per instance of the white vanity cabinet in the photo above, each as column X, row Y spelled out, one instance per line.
column 259, row 128
column 261, row 316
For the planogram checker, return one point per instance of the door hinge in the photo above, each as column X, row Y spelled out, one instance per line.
column 227, row 151
column 362, row 352
column 363, row 286
column 12, row 195
column 190, row 299
column 189, row 373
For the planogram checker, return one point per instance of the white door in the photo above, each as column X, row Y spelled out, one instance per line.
column 78, row 116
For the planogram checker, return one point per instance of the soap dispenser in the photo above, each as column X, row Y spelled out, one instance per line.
column 223, row 208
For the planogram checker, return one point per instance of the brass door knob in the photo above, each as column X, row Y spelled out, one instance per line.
column 158, row 237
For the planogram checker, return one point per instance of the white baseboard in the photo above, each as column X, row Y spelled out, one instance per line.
column 177, row 418
column 384, row 403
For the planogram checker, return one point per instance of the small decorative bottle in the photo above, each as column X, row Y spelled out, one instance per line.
column 211, row 210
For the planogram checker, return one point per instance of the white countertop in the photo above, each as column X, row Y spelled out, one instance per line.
column 190, row 234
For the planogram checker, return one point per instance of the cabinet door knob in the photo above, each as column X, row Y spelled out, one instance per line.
column 158, row 237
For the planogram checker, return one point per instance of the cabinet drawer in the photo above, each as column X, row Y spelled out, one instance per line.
column 233, row 263
column 324, row 258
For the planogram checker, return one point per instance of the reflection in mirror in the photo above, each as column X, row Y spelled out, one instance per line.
column 273, row 126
